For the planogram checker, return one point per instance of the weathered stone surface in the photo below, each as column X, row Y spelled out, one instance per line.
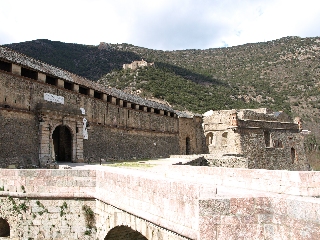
column 260, row 138
column 176, row 202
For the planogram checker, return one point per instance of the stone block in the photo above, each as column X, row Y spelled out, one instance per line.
column 16, row 69
column 42, row 77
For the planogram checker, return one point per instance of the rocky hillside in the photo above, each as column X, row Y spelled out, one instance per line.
column 281, row 74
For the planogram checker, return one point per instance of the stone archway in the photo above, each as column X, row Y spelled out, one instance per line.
column 62, row 144
column 4, row 228
column 124, row 233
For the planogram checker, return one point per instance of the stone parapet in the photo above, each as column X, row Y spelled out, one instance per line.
column 180, row 202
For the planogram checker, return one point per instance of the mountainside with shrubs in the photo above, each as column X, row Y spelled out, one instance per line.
column 282, row 74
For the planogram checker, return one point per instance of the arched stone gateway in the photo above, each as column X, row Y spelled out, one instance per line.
column 4, row 228
column 62, row 144
column 124, row 233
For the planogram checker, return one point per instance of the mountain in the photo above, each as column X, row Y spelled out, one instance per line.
column 282, row 74
column 91, row 62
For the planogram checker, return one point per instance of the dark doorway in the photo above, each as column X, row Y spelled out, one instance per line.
column 4, row 228
column 124, row 233
column 62, row 143
column 188, row 147
column 293, row 155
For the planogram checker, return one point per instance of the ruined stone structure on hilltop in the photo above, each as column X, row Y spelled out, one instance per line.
column 265, row 139
column 137, row 64
column 50, row 114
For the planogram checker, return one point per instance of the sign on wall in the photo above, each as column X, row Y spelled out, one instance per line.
column 53, row 98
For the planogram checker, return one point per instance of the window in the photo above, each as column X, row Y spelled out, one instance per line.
column 267, row 138
column 51, row 80
column 5, row 66
column 209, row 138
column 224, row 139
column 97, row 95
column 68, row 85
column 188, row 147
column 29, row 73
column 83, row 90
column 293, row 155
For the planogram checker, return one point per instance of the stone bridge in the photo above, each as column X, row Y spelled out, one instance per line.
column 167, row 202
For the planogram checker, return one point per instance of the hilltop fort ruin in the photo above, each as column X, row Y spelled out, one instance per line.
column 137, row 64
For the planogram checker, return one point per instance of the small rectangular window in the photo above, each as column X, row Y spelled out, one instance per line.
column 67, row 85
column 5, row 66
column 83, row 90
column 51, row 80
column 98, row 95
column 29, row 73
column 267, row 138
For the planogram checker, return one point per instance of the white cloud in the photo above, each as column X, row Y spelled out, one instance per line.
column 158, row 24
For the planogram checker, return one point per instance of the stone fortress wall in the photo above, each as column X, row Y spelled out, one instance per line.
column 120, row 126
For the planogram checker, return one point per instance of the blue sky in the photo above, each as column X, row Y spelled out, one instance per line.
column 158, row 24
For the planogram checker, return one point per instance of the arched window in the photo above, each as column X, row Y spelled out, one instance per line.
column 209, row 138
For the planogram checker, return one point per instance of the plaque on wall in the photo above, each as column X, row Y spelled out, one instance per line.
column 53, row 98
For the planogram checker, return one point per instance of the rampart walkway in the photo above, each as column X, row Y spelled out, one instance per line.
column 166, row 202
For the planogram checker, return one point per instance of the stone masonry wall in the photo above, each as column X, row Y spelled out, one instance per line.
column 191, row 128
column 259, row 218
column 273, row 157
column 120, row 132
column 47, row 204
column 43, row 218
column 179, row 202
column 19, row 142
column 110, row 218
column 154, row 198
column 113, row 143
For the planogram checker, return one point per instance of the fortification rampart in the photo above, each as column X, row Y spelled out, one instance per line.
column 179, row 202
column 40, row 108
